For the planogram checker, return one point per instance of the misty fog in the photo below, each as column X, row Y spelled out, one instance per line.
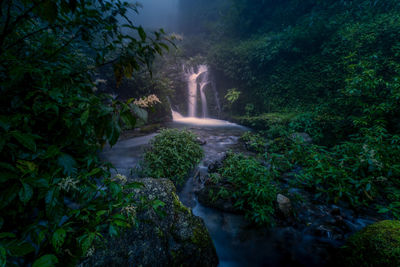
column 156, row 14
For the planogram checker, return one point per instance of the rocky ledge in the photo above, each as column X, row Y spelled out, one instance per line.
column 173, row 236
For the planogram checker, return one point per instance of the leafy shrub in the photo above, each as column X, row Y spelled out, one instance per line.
column 358, row 171
column 173, row 153
column 265, row 121
column 306, row 123
column 253, row 191
column 56, row 196
column 355, row 171
column 375, row 245
column 254, row 142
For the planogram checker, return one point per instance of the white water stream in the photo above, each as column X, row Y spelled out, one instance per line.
column 197, row 81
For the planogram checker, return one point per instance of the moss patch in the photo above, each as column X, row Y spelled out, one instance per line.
column 178, row 206
column 375, row 245
column 200, row 237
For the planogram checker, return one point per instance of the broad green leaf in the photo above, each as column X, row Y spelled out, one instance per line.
column 142, row 33
column 87, row 241
column 20, row 248
column 25, row 139
column 94, row 172
column 128, row 119
column 115, row 189
column 48, row 260
column 7, row 235
column 140, row 113
column 26, row 166
column 25, row 193
column 58, row 238
column 84, row 117
column 50, row 198
column 68, row 164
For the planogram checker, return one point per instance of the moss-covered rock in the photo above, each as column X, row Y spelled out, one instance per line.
column 173, row 236
column 374, row 246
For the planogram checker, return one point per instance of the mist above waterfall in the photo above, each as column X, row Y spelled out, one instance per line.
column 156, row 14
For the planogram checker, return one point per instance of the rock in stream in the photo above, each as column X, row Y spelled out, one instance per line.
column 178, row 238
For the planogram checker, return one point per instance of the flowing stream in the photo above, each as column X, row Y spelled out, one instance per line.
column 237, row 243
column 307, row 242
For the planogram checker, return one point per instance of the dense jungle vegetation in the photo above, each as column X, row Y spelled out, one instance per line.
column 56, row 196
column 324, row 70
column 330, row 69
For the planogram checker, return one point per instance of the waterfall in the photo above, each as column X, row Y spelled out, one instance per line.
column 197, row 80
column 203, row 100
column 176, row 115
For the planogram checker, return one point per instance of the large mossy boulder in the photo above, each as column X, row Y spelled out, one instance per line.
column 374, row 246
column 175, row 237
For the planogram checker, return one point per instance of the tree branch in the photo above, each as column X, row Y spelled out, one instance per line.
column 9, row 27
column 27, row 36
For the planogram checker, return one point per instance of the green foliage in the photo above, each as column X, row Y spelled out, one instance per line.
column 266, row 121
column 376, row 245
column 306, row 122
column 254, row 142
column 308, row 55
column 253, row 191
column 232, row 95
column 359, row 171
column 173, row 153
column 57, row 197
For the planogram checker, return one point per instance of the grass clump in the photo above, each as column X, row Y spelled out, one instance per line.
column 172, row 154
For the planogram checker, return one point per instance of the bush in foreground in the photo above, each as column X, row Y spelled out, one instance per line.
column 253, row 191
column 173, row 153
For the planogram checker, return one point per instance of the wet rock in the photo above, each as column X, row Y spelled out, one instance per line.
column 335, row 211
column 209, row 198
column 213, row 167
column 304, row 137
column 176, row 238
column 201, row 141
column 284, row 205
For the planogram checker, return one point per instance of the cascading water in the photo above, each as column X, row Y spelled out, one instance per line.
column 193, row 82
column 198, row 81
column 203, row 100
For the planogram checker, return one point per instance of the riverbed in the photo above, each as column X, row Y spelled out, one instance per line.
column 311, row 242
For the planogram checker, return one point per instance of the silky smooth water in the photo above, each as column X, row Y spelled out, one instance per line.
column 237, row 242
